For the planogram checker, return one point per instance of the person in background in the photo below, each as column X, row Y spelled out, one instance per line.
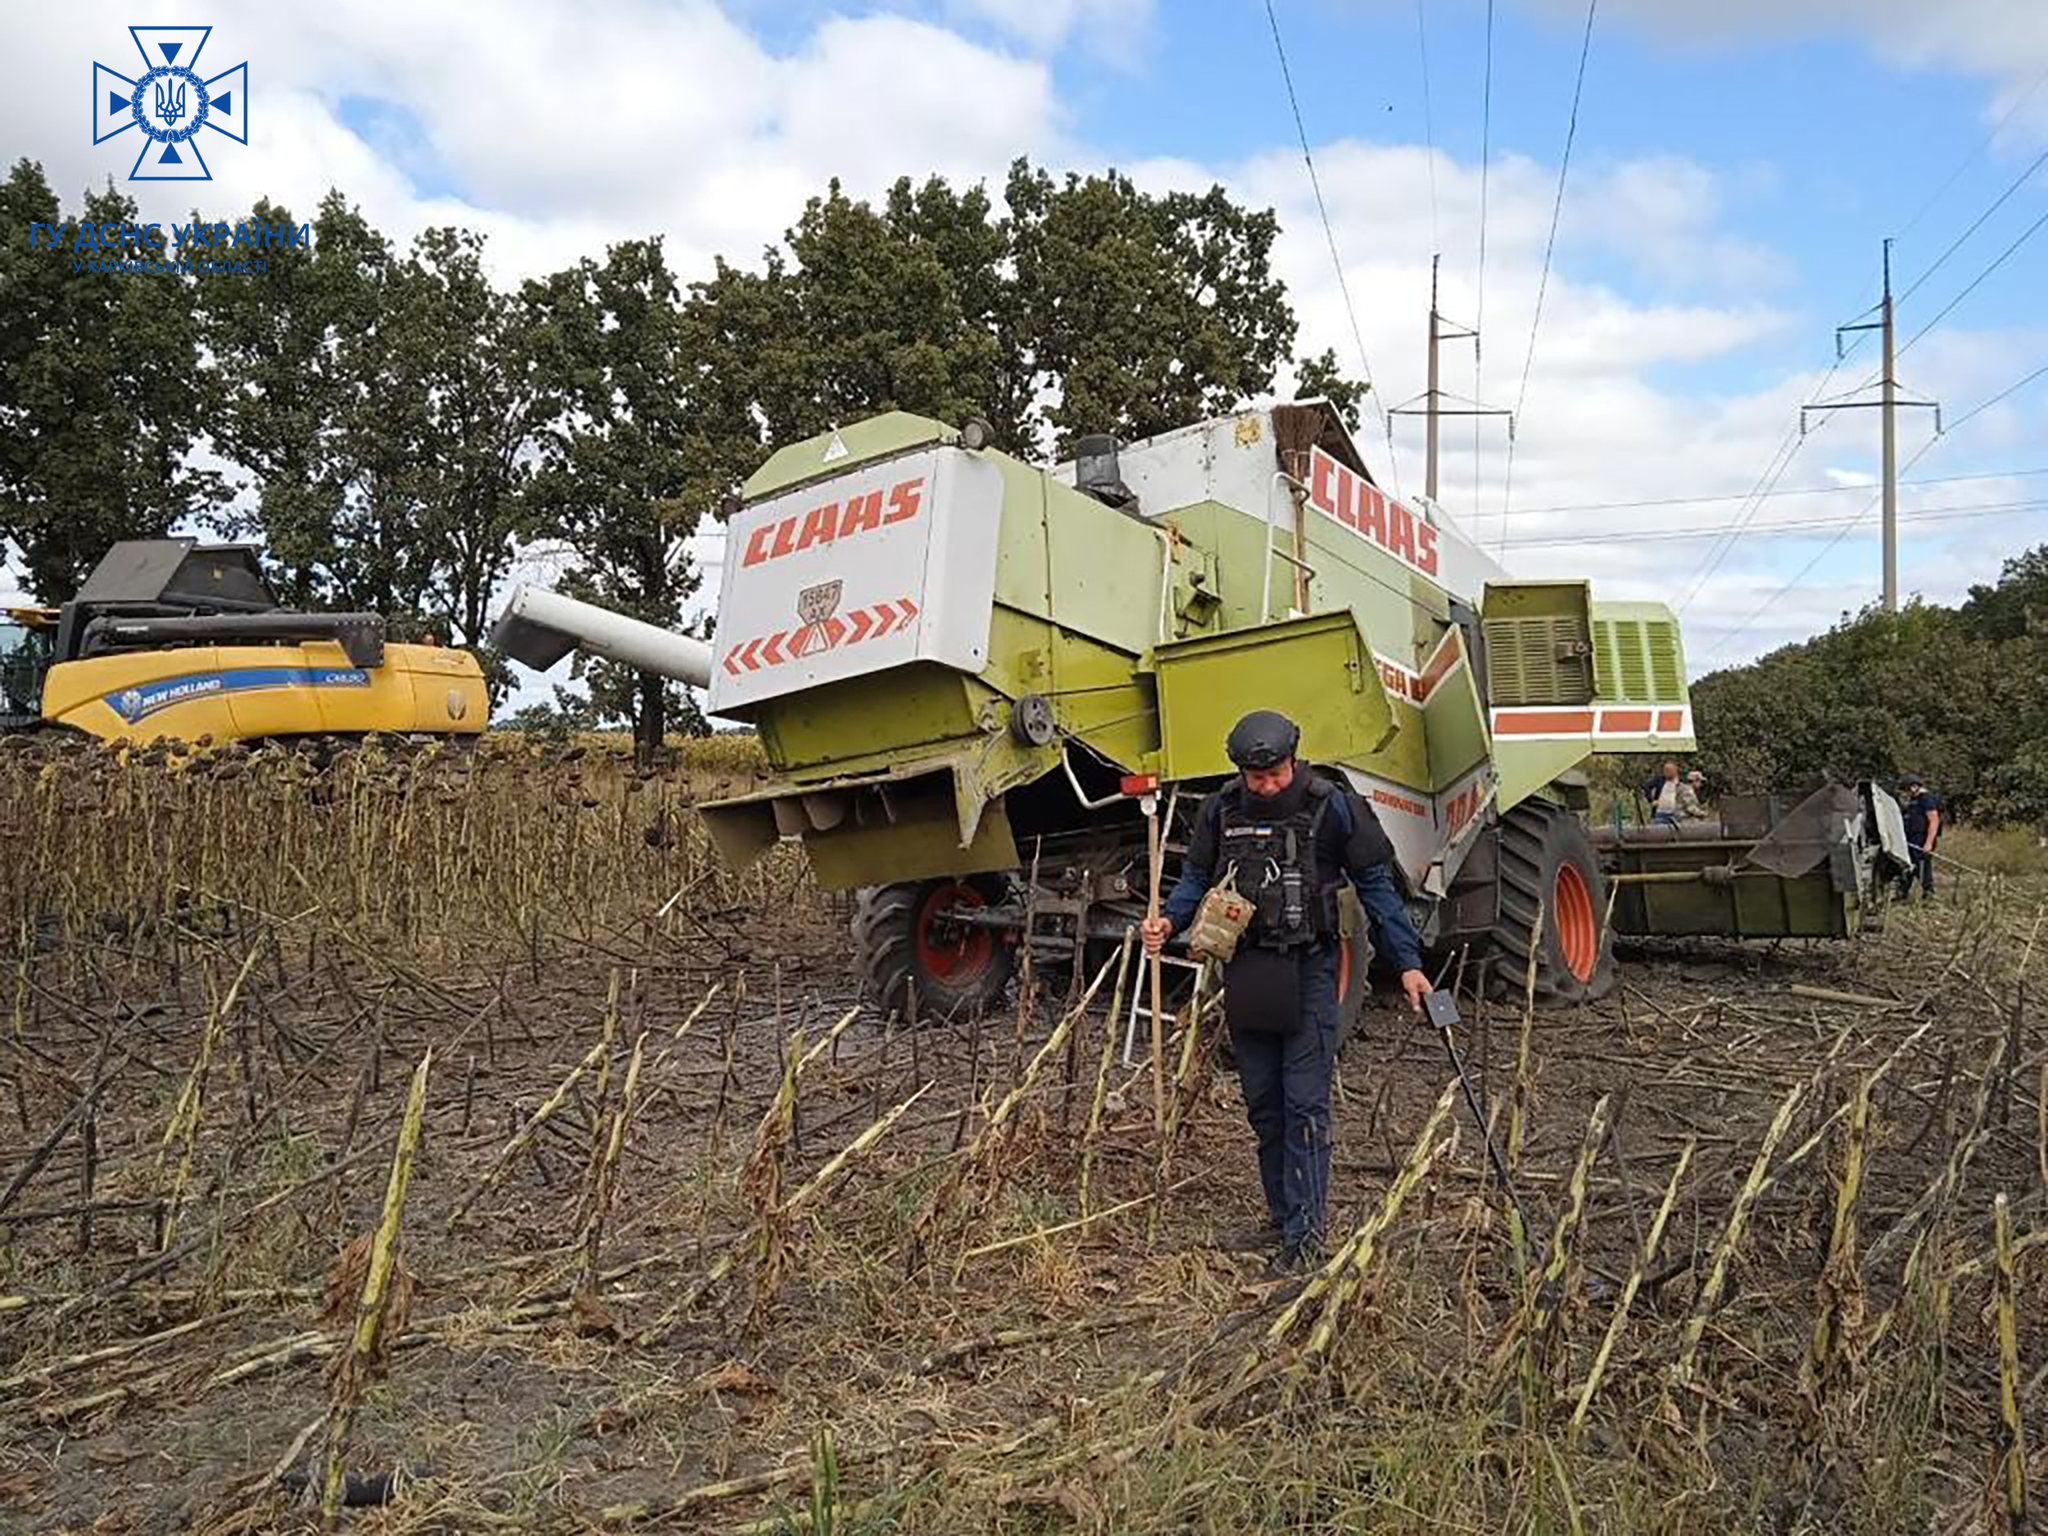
column 1697, row 781
column 1672, row 798
column 1923, row 831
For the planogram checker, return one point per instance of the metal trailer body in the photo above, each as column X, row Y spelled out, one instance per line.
column 1762, row 867
column 962, row 665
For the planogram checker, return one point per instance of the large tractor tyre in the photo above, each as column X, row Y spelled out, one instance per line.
column 1354, row 963
column 908, row 947
column 1546, row 860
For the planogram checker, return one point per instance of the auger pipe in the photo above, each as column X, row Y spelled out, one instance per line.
column 538, row 628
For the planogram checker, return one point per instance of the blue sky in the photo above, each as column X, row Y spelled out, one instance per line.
column 1735, row 169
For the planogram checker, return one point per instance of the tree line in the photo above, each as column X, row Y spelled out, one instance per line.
column 1958, row 694
column 392, row 427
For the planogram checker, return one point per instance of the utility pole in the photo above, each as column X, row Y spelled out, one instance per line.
column 1887, row 402
column 1432, row 410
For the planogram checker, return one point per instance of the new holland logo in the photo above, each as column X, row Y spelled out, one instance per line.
column 170, row 101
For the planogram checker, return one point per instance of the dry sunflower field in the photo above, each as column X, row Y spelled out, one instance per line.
column 429, row 1141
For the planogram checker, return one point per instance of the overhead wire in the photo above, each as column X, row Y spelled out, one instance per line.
column 1796, row 436
column 1766, row 484
column 1479, row 312
column 1790, row 526
column 1744, row 496
column 1970, row 159
column 1564, row 166
column 1330, row 237
column 1975, row 224
column 1428, row 126
column 1728, row 636
column 1996, row 262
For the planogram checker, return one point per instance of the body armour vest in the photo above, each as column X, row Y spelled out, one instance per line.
column 1270, row 845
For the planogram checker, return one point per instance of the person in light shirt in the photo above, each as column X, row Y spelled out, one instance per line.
column 1674, row 797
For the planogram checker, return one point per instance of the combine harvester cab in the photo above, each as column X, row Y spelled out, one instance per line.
column 964, row 667
column 174, row 639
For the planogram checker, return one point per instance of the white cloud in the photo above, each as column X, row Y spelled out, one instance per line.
column 1115, row 29
column 2003, row 41
column 559, row 127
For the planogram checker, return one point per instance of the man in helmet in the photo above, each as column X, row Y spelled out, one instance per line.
column 1291, row 839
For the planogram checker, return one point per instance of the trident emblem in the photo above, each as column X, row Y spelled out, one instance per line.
column 815, row 605
column 170, row 102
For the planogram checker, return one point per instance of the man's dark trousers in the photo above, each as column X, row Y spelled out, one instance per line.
column 1286, row 1082
column 1922, row 871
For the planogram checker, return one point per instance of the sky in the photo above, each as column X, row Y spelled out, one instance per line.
column 1655, row 309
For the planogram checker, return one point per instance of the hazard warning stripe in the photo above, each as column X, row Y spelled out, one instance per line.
column 1542, row 722
column 828, row 634
column 1529, row 724
column 1416, row 687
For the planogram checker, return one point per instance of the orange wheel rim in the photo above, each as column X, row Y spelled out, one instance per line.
column 1578, row 932
column 951, row 951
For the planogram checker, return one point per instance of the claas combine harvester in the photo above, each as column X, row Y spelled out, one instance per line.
column 970, row 674
column 174, row 639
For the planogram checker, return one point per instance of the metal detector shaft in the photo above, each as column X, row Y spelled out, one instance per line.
column 1442, row 1011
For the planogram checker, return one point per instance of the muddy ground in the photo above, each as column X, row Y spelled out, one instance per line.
column 934, row 1339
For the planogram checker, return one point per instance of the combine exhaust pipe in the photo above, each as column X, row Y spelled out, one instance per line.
column 538, row 628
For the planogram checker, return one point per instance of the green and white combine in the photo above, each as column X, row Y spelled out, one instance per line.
column 967, row 670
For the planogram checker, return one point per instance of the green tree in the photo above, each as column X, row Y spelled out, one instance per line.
column 626, row 471
column 2017, row 604
column 1957, row 694
column 1090, row 306
column 462, row 357
column 1143, row 313
column 100, row 392
column 1321, row 377
column 308, row 411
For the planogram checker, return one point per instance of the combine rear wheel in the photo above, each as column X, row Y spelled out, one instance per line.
column 909, row 941
column 1547, row 859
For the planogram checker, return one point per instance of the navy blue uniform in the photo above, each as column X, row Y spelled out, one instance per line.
column 1286, row 1077
column 1918, row 811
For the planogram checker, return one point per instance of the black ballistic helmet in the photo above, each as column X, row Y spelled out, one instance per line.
column 1265, row 738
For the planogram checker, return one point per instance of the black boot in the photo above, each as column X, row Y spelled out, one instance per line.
column 1250, row 1237
column 1297, row 1258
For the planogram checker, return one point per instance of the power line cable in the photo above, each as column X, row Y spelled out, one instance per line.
column 1744, row 496
column 1564, row 166
column 1428, row 126
column 1479, row 314
column 1330, row 236
column 1970, row 159
column 1766, row 484
column 1790, row 526
column 1976, row 224
column 1729, row 636
column 1996, row 262
column 1795, row 439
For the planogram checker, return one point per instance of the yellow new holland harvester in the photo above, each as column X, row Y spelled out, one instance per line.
column 171, row 638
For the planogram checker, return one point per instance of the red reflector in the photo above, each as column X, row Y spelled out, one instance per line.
column 1137, row 784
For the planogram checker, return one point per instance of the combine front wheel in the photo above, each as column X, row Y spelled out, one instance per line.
column 910, row 940
column 1546, row 858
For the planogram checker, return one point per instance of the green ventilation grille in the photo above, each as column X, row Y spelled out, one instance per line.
column 1538, row 660
column 1636, row 661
